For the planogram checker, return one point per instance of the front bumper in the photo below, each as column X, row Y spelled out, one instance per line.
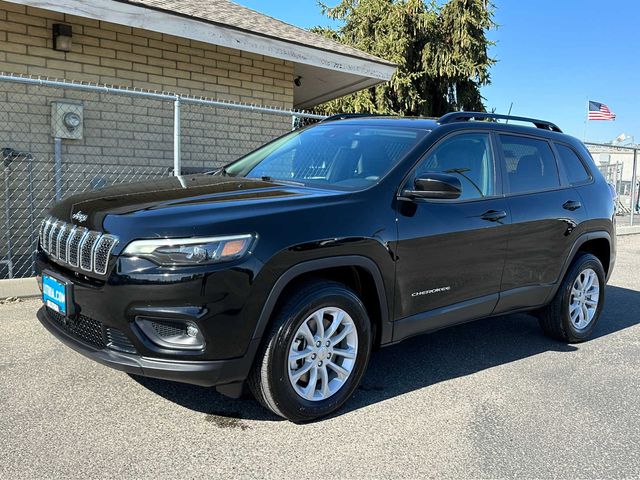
column 204, row 373
column 219, row 301
column 223, row 302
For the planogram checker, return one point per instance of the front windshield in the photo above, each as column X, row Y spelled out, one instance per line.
column 344, row 156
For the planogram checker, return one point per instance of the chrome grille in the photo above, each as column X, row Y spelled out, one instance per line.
column 75, row 246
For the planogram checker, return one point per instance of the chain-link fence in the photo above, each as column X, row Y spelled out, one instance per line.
column 619, row 165
column 62, row 138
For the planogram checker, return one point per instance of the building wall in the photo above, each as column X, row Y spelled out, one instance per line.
column 113, row 54
column 624, row 159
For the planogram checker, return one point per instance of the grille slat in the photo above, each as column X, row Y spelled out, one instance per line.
column 103, row 249
column 86, row 251
column 61, row 249
column 64, row 243
column 74, row 245
column 44, row 232
column 116, row 340
column 51, row 240
column 77, row 247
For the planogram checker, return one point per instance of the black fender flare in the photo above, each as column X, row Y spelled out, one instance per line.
column 581, row 240
column 310, row 266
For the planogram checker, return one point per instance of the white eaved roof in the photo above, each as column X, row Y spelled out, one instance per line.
column 328, row 69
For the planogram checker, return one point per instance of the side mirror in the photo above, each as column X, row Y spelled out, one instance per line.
column 436, row 186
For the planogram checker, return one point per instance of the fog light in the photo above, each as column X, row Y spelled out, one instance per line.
column 172, row 334
column 192, row 331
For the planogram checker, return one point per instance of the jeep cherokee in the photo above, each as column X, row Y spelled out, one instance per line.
column 284, row 269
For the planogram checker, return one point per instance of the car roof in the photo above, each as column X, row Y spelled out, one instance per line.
column 422, row 123
column 426, row 123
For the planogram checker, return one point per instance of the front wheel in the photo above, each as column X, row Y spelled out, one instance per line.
column 574, row 311
column 315, row 354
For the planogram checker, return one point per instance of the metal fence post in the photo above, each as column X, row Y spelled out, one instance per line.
column 634, row 179
column 177, row 153
column 32, row 219
column 57, row 167
column 7, row 211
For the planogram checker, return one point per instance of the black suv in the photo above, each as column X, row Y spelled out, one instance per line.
column 283, row 270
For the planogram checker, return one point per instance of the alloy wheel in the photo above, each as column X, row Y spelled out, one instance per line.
column 585, row 295
column 322, row 354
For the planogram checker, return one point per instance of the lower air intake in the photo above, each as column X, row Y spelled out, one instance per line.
column 92, row 332
column 83, row 328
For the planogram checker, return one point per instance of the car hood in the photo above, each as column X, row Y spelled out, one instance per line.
column 162, row 206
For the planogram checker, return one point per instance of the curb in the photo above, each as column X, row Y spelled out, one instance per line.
column 19, row 288
column 622, row 231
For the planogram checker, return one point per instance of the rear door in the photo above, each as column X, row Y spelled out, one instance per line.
column 545, row 212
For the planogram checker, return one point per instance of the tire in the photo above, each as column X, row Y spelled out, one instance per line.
column 272, row 379
column 561, row 319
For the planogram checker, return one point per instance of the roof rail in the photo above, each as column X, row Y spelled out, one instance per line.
column 466, row 116
column 345, row 116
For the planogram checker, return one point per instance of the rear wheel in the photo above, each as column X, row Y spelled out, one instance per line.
column 574, row 311
column 315, row 354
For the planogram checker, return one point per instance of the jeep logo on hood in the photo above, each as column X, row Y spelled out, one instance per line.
column 79, row 216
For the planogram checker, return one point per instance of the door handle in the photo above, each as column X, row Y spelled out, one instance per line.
column 571, row 205
column 493, row 215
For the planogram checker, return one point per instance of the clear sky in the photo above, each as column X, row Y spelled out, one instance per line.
column 552, row 56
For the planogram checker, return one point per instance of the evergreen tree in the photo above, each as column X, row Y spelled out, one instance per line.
column 441, row 52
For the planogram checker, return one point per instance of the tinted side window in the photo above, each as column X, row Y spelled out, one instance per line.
column 467, row 156
column 576, row 173
column 530, row 162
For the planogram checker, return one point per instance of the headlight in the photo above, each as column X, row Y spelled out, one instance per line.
column 191, row 251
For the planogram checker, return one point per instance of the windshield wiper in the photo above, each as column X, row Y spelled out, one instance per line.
column 267, row 178
column 222, row 171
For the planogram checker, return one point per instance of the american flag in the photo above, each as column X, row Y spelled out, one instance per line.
column 599, row 111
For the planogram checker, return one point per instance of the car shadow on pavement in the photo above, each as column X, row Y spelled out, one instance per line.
column 220, row 410
column 422, row 361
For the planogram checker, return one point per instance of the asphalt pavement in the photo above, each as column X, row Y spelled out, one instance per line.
column 490, row 399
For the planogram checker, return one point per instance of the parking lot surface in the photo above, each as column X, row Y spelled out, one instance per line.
column 488, row 399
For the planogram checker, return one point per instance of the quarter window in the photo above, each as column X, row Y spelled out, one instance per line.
column 467, row 156
column 530, row 164
column 573, row 166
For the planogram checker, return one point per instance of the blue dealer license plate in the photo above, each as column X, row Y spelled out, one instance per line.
column 54, row 294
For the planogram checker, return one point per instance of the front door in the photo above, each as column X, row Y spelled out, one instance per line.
column 450, row 253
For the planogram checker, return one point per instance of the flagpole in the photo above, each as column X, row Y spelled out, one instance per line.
column 586, row 118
